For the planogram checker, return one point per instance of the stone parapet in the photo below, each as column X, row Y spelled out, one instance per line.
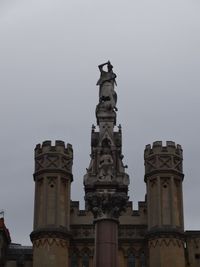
column 50, row 232
column 159, row 158
column 53, row 158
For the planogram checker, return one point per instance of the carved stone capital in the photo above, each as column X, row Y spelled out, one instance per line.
column 106, row 204
column 45, row 233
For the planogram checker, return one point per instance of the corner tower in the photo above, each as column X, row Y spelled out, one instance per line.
column 106, row 183
column 53, row 177
column 4, row 242
column 163, row 177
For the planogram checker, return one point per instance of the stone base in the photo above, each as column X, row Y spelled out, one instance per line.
column 50, row 252
column 165, row 252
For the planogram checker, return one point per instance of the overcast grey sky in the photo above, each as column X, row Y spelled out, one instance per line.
column 49, row 52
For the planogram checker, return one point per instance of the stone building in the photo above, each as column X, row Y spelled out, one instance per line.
column 109, row 233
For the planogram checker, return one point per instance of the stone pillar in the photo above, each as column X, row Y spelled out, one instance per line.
column 106, row 243
column 53, row 177
column 106, row 182
column 164, row 176
column 106, row 207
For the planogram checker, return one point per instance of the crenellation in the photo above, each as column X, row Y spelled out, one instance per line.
column 142, row 206
column 48, row 147
column 75, row 209
column 75, row 204
column 170, row 144
column 135, row 213
column 59, row 143
column 159, row 148
column 130, row 205
column 82, row 213
column 157, row 144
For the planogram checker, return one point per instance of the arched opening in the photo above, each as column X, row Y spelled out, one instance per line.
column 74, row 260
column 142, row 259
column 131, row 260
column 85, row 260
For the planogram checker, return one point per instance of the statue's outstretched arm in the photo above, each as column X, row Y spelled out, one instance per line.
column 101, row 65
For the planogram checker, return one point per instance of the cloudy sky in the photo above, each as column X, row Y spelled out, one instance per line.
column 49, row 52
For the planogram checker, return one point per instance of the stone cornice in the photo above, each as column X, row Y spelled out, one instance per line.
column 50, row 233
column 165, row 233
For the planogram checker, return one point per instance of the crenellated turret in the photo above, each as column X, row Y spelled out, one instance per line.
column 53, row 177
column 5, row 241
column 163, row 177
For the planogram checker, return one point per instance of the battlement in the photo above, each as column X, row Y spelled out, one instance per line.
column 159, row 157
column 49, row 147
column 158, row 148
column 53, row 157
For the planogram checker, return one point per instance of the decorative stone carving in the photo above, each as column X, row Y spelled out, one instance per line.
column 82, row 232
column 109, row 205
column 49, row 242
column 106, row 168
column 166, row 242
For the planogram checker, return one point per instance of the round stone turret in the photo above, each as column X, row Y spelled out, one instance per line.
column 163, row 177
column 53, row 177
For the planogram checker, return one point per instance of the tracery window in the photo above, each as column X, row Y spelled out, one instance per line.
column 131, row 260
column 74, row 260
column 85, row 260
column 142, row 259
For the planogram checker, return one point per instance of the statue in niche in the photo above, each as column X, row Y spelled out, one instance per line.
column 106, row 82
column 106, row 167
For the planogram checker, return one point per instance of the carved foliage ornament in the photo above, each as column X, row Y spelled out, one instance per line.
column 109, row 204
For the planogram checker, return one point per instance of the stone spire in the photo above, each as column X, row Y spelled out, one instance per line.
column 106, row 183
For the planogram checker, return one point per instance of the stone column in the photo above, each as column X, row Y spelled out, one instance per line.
column 106, row 208
column 106, row 243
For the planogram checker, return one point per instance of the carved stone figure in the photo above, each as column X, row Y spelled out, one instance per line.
column 106, row 168
column 106, row 82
